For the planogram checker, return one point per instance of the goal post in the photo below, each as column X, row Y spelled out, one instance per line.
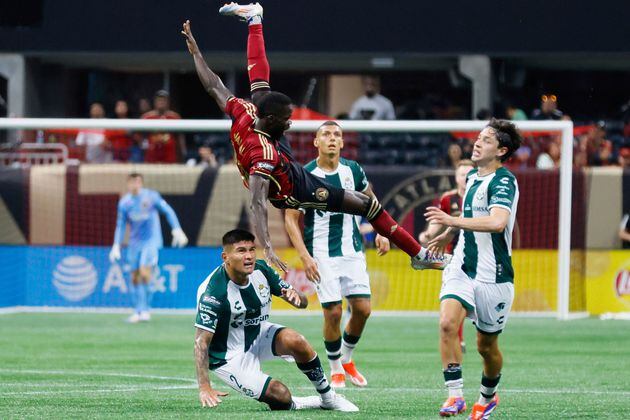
column 221, row 126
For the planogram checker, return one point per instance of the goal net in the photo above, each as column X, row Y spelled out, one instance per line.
column 59, row 212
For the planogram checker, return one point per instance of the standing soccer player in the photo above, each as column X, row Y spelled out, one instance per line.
column 234, row 335
column 451, row 203
column 139, row 209
column 333, row 258
column 479, row 282
column 265, row 162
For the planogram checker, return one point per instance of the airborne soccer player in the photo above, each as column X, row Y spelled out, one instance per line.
column 331, row 251
column 479, row 282
column 139, row 209
column 234, row 335
column 266, row 164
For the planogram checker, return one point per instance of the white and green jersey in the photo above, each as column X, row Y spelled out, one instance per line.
column 328, row 234
column 487, row 256
column 234, row 313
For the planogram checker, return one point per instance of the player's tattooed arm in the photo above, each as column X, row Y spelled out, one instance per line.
column 207, row 396
column 210, row 81
column 259, row 190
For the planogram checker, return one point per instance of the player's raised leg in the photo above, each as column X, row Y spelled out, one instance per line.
column 289, row 343
column 257, row 64
column 360, row 204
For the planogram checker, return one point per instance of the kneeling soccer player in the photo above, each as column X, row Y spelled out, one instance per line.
column 234, row 335
column 479, row 282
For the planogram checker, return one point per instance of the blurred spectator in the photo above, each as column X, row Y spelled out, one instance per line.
column 163, row 147
column 514, row 113
column 483, row 114
column 624, row 231
column 521, row 157
column 454, row 153
column 597, row 149
column 144, row 106
column 548, row 109
column 97, row 148
column 120, row 139
column 205, row 158
column 372, row 105
column 624, row 157
column 549, row 159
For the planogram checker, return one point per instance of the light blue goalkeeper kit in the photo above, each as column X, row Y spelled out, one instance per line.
column 145, row 235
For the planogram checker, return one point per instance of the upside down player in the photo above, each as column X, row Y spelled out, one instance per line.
column 479, row 283
column 451, row 203
column 266, row 164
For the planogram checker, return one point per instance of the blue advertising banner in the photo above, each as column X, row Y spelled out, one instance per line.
column 78, row 276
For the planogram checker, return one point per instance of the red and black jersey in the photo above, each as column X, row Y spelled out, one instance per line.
column 451, row 203
column 255, row 151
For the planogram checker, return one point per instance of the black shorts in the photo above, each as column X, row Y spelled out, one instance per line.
column 310, row 192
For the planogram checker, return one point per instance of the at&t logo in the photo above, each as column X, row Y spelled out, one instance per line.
column 75, row 278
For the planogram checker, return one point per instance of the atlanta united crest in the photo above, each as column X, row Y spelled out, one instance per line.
column 321, row 194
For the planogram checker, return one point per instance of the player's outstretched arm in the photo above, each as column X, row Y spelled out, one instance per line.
column 259, row 190
column 121, row 224
column 495, row 223
column 210, row 81
column 180, row 239
column 292, row 226
column 207, row 396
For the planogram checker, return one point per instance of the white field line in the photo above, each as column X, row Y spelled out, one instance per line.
column 192, row 385
column 100, row 391
column 97, row 374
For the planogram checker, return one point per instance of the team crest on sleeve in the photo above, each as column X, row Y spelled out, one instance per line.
column 284, row 285
column 321, row 194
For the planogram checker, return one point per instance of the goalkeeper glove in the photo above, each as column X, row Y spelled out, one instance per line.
column 179, row 238
column 114, row 254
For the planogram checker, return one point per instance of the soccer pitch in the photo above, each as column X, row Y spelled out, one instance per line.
column 96, row 366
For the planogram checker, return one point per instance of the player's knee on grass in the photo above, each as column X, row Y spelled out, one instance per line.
column 277, row 396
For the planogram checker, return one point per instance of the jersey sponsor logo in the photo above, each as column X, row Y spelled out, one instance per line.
column 479, row 208
column 256, row 321
column 211, row 300
column 321, row 194
column 497, row 200
column 75, row 278
column 208, row 309
column 264, row 166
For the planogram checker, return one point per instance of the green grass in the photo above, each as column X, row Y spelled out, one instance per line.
column 96, row 366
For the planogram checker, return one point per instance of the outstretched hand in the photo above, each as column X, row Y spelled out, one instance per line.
column 210, row 397
column 190, row 39
column 273, row 259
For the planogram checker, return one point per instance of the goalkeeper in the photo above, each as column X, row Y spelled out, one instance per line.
column 139, row 208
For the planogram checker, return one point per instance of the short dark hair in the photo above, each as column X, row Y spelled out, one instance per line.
column 272, row 104
column 237, row 235
column 135, row 175
column 328, row 124
column 508, row 136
